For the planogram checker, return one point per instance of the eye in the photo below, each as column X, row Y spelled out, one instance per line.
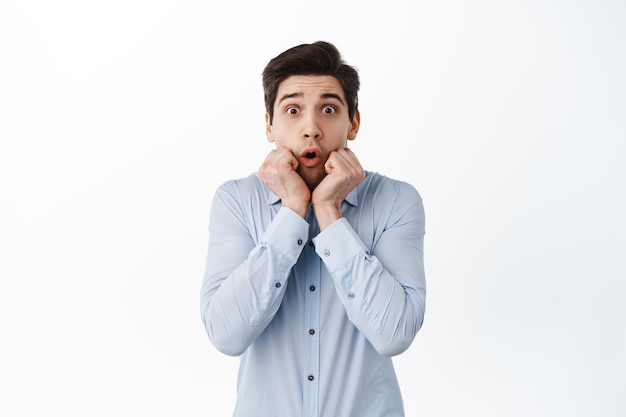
column 292, row 110
column 329, row 109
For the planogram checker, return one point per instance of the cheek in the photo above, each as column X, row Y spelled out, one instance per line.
column 339, row 132
column 278, row 136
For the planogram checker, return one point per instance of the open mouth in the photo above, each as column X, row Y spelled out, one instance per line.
column 310, row 157
column 310, row 153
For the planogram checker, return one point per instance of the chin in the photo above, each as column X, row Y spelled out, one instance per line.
column 312, row 178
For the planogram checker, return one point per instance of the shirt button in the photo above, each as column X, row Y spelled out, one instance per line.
column 312, row 288
column 311, row 377
column 311, row 332
column 351, row 294
column 277, row 285
column 299, row 241
column 310, row 243
column 326, row 252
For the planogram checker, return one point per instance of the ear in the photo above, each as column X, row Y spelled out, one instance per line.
column 354, row 126
column 268, row 128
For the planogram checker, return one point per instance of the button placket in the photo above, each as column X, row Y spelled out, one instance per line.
column 311, row 330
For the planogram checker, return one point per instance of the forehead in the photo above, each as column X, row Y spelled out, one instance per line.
column 309, row 85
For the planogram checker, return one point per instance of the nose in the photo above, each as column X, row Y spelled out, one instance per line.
column 311, row 128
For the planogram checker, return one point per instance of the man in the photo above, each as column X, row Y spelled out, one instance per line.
column 314, row 275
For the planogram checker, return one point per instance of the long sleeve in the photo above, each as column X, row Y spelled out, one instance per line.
column 315, row 321
column 383, row 289
column 245, row 278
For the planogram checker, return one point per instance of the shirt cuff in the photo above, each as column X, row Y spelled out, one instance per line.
column 337, row 244
column 287, row 233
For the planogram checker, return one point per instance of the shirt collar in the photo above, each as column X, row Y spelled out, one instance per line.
column 351, row 198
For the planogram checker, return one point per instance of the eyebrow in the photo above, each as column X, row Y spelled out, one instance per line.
column 333, row 95
column 324, row 96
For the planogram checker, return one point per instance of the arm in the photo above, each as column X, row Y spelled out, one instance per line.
column 244, row 282
column 383, row 291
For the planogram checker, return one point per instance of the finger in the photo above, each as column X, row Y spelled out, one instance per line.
column 334, row 161
column 284, row 157
column 349, row 159
column 293, row 161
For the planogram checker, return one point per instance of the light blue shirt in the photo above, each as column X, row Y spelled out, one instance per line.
column 315, row 317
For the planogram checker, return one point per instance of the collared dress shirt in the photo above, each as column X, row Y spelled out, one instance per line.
column 315, row 317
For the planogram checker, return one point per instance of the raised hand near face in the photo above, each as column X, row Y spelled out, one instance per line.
column 343, row 174
column 278, row 172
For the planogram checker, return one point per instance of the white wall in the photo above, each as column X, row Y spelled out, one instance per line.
column 119, row 119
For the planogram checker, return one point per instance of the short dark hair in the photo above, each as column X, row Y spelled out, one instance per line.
column 318, row 58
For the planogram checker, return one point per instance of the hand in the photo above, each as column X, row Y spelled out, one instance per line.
column 278, row 172
column 343, row 174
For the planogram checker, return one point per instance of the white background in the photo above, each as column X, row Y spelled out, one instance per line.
column 119, row 119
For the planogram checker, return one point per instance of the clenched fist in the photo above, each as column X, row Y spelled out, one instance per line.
column 278, row 172
column 343, row 174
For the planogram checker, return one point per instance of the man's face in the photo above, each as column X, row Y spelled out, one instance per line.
column 311, row 120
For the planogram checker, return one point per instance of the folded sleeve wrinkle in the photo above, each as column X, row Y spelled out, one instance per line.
column 383, row 290
column 244, row 280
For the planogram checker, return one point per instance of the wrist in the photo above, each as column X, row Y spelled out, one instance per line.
column 299, row 207
column 326, row 215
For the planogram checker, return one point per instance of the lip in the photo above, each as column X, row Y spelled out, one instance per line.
column 310, row 162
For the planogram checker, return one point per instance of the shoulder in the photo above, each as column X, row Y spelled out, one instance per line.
column 379, row 186
column 241, row 194
column 246, row 186
column 386, row 203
